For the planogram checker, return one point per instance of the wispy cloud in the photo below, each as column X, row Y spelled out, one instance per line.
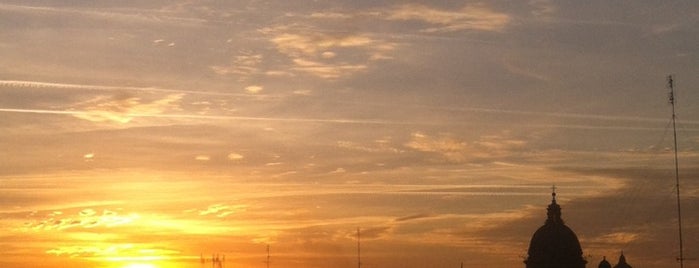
column 121, row 15
column 615, row 238
column 245, row 64
column 254, row 89
column 51, row 85
column 328, row 55
column 86, row 218
column 542, row 8
column 451, row 148
column 222, row 210
column 120, row 108
column 456, row 150
column 470, row 17
column 235, row 156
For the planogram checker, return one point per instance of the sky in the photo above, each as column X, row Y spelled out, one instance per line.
column 152, row 134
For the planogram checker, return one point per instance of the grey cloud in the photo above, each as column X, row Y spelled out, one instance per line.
column 414, row 217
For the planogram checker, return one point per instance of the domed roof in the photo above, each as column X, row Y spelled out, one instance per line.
column 604, row 263
column 622, row 262
column 554, row 245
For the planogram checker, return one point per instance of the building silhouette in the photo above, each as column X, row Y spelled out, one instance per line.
column 622, row 262
column 604, row 263
column 555, row 245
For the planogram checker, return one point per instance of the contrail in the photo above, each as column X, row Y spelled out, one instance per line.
column 520, row 112
column 314, row 120
column 213, row 117
column 49, row 85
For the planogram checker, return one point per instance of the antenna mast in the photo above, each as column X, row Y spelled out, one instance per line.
column 267, row 256
column 359, row 250
column 670, row 84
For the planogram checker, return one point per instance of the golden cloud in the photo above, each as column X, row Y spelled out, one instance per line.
column 317, row 53
column 470, row 17
column 122, row 108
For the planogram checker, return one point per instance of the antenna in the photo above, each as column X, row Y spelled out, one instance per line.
column 670, row 84
column 359, row 249
column 267, row 261
column 217, row 261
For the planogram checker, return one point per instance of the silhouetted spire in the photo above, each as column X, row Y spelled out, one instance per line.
column 554, row 245
column 553, row 210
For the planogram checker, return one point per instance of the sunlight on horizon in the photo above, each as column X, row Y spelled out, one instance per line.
column 200, row 134
column 141, row 265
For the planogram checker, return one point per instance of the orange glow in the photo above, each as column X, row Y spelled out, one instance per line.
column 140, row 265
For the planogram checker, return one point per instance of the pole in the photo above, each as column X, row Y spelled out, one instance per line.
column 670, row 84
column 359, row 249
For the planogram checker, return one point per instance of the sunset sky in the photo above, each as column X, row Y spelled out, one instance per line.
column 147, row 134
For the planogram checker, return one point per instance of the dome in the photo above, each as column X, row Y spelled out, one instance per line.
column 554, row 245
column 622, row 262
column 604, row 263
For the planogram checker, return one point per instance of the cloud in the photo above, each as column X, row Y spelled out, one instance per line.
column 126, row 16
column 375, row 232
column 50, row 85
column 543, row 8
column 245, row 64
column 323, row 70
column 318, row 53
column 202, row 158
column 86, row 218
column 115, row 252
column 122, row 108
column 235, row 156
column 222, row 210
column 617, row 238
column 376, row 147
column 253, row 89
column 528, row 72
column 500, row 143
column 452, row 149
column 303, row 92
column 338, row 171
column 89, row 157
column 331, row 15
column 311, row 44
column 470, row 17
column 415, row 217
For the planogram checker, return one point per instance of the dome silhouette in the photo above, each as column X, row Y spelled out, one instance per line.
column 604, row 263
column 554, row 245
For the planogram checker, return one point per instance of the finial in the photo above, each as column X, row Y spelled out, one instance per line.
column 554, row 210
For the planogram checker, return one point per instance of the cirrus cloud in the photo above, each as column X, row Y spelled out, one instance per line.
column 122, row 108
column 470, row 17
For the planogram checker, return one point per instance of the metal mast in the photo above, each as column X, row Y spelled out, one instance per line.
column 670, row 84
column 267, row 256
column 359, row 250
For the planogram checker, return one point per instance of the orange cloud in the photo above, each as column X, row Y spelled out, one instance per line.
column 470, row 17
column 122, row 108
